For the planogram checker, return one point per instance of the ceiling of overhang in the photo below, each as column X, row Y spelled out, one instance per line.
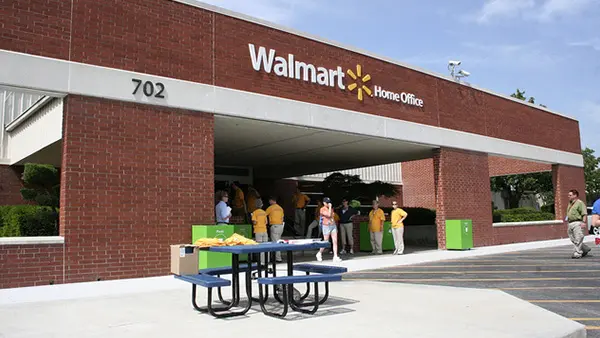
column 277, row 151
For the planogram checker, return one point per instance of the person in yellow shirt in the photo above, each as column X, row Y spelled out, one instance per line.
column 239, row 203
column 259, row 221
column 376, row 219
column 398, row 217
column 253, row 196
column 300, row 202
column 275, row 215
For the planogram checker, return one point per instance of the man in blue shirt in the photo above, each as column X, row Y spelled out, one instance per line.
column 222, row 211
column 596, row 213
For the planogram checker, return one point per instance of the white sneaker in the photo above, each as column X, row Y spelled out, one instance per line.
column 319, row 257
column 337, row 259
column 395, row 252
column 352, row 251
column 343, row 252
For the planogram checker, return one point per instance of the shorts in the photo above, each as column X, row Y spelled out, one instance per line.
column 328, row 229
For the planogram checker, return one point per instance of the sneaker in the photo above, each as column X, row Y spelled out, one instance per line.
column 352, row 251
column 319, row 257
column 395, row 252
column 343, row 252
column 337, row 259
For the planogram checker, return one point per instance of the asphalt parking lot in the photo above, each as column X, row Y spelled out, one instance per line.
column 548, row 278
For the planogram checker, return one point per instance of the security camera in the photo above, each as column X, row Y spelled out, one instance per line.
column 453, row 63
column 464, row 73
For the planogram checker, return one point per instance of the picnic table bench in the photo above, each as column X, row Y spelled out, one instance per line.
column 288, row 299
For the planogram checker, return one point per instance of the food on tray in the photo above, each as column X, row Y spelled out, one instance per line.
column 237, row 239
column 208, row 242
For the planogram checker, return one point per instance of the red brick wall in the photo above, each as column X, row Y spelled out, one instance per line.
column 31, row 264
column 152, row 36
column 519, row 234
column 462, row 183
column 501, row 166
column 134, row 180
column 447, row 104
column 417, row 177
column 387, row 202
column 564, row 179
column 39, row 27
column 172, row 39
column 418, row 188
column 10, row 185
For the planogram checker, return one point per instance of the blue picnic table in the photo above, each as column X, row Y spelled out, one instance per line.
column 207, row 278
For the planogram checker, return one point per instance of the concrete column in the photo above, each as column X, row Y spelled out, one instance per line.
column 135, row 178
column 462, row 190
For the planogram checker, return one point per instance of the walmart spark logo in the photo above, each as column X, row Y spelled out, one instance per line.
column 359, row 82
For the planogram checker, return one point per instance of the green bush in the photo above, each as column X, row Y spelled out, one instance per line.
column 27, row 220
column 548, row 208
column 521, row 215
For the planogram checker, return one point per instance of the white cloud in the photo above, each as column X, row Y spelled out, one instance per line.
column 593, row 43
column 278, row 11
column 493, row 9
column 538, row 10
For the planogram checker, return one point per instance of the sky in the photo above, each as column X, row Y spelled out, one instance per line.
column 549, row 48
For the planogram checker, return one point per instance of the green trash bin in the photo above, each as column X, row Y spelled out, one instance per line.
column 387, row 243
column 246, row 231
column 212, row 259
column 459, row 234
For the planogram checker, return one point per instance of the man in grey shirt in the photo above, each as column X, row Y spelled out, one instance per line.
column 223, row 212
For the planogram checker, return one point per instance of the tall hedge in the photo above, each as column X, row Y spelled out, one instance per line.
column 27, row 220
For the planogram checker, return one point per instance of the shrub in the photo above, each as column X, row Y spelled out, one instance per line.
column 521, row 215
column 27, row 220
column 548, row 208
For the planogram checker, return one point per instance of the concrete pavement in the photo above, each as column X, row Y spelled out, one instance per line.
column 160, row 306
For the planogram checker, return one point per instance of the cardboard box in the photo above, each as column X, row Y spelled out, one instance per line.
column 184, row 259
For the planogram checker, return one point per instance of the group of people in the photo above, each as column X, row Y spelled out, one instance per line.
column 328, row 220
column 269, row 223
column 273, row 216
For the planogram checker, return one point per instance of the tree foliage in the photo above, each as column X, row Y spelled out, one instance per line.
column 521, row 96
column 592, row 174
column 338, row 186
column 513, row 187
column 42, row 185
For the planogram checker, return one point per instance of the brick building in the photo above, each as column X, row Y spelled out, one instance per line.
column 139, row 101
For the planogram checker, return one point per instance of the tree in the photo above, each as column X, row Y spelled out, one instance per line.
column 592, row 174
column 42, row 186
column 513, row 187
column 521, row 96
column 338, row 186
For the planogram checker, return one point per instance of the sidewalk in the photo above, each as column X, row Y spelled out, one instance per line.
column 160, row 307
